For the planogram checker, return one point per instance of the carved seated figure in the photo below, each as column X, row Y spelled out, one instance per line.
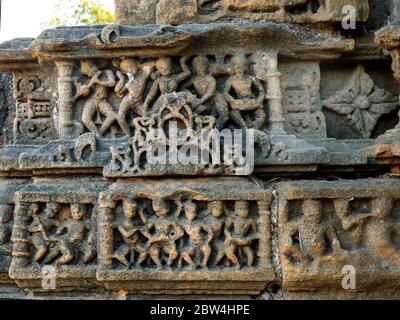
column 46, row 248
column 310, row 240
column 99, row 84
column 246, row 106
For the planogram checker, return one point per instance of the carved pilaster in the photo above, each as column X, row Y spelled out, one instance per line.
column 68, row 128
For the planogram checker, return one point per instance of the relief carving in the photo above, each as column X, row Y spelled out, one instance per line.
column 59, row 234
column 301, row 99
column 56, row 226
column 174, row 234
column 113, row 96
column 3, row 110
column 362, row 104
column 321, row 234
column 100, row 81
column 6, row 224
column 204, row 91
column 33, row 123
column 180, row 234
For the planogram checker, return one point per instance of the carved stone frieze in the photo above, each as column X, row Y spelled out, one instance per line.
column 195, row 234
column 204, row 147
column 325, row 226
column 361, row 103
column 55, row 226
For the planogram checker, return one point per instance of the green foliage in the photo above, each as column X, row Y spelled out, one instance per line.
column 80, row 12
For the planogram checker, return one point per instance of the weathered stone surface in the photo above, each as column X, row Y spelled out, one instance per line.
column 109, row 122
column 174, row 12
column 301, row 99
column 7, row 190
column 325, row 226
column 192, row 233
column 56, row 227
column 394, row 9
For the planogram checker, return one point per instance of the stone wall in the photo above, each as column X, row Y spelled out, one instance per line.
column 240, row 149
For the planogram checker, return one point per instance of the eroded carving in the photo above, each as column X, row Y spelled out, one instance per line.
column 173, row 234
column 362, row 104
column 301, row 99
column 321, row 234
column 33, row 123
column 6, row 224
column 179, row 233
column 183, row 11
column 56, row 227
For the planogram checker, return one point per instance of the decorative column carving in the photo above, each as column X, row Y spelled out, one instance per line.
column 267, row 71
column 67, row 127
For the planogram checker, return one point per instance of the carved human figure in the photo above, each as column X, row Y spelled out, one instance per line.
column 99, row 84
column 213, row 226
column 70, row 235
column 49, row 223
column 167, row 82
column 6, row 214
column 378, row 231
column 191, row 254
column 38, row 229
column 240, row 232
column 133, row 89
column 205, row 87
column 130, row 232
column 313, row 236
column 352, row 223
column 166, row 233
column 246, row 106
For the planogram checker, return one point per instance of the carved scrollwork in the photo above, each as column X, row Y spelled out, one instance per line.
column 34, row 110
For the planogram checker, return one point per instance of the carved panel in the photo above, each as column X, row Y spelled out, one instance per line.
column 153, row 233
column 111, row 95
column 135, row 102
column 36, row 101
column 56, row 226
column 301, row 99
column 325, row 226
